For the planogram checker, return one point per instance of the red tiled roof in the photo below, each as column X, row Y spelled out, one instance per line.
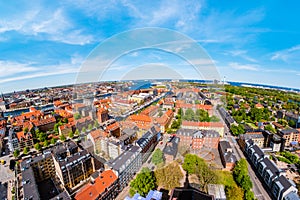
column 140, row 118
column 113, row 126
column 203, row 124
column 92, row 191
column 96, row 134
column 197, row 106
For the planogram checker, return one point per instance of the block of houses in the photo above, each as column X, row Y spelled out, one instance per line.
column 171, row 149
column 216, row 126
column 291, row 136
column 126, row 165
column 72, row 164
column 227, row 155
column 274, row 178
column 102, row 186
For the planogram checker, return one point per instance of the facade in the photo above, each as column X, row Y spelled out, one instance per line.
column 19, row 140
column 227, row 156
column 72, row 165
column 291, row 136
column 216, row 126
column 148, row 142
column 275, row 180
column 171, row 149
column 257, row 138
column 102, row 186
column 126, row 165
column 196, row 139
column 226, row 117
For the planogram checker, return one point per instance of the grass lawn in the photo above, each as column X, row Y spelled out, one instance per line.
column 252, row 125
column 226, row 178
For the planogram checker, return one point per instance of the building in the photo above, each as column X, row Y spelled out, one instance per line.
column 171, row 149
column 72, row 165
column 275, row 180
column 37, row 171
column 141, row 121
column 128, row 136
column 102, row 186
column 126, row 165
column 217, row 190
column 148, row 142
column 196, row 139
column 152, row 195
column 227, row 156
column 216, row 126
column 102, row 115
column 95, row 137
column 257, row 138
column 291, row 136
column 19, row 140
column 226, row 117
column 165, row 120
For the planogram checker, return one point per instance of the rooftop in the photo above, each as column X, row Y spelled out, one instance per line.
column 95, row 188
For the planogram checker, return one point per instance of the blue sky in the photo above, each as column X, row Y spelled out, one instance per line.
column 44, row 43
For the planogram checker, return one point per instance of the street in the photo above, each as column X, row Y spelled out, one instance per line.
column 259, row 191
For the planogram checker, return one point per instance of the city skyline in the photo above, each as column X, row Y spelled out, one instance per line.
column 44, row 44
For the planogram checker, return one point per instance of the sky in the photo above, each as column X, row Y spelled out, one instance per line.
column 46, row 43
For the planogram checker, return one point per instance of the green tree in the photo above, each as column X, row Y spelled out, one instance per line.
column 53, row 141
column 71, row 134
column 77, row 116
column 249, row 195
column 77, row 132
column 270, row 128
column 169, row 176
column 189, row 115
column 25, row 150
column 25, row 129
column 196, row 165
column 46, row 143
column 214, row 119
column 234, row 193
column 201, row 115
column 241, row 177
column 96, row 124
column 66, row 120
column 292, row 123
column 37, row 146
column 143, row 183
column 83, row 130
column 157, row 157
column 16, row 153
column 62, row 138
column 90, row 127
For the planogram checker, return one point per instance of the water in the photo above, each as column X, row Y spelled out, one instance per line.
column 19, row 112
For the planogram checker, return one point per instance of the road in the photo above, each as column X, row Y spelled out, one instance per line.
column 5, row 173
column 259, row 191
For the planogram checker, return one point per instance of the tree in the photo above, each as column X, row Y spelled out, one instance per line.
column 249, row 195
column 76, row 132
column 77, row 116
column 292, row 123
column 157, row 157
column 196, row 165
column 25, row 150
column 214, row 119
column 37, row 146
column 42, row 136
column 83, row 130
column 25, row 129
column 241, row 177
column 96, row 124
column 62, row 138
column 66, row 120
column 270, row 128
column 201, row 115
column 143, row 183
column 71, row 134
column 16, row 153
column 90, row 127
column 53, row 141
column 234, row 193
column 169, row 177
column 46, row 143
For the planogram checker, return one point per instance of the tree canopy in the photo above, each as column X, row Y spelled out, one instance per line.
column 169, row 176
column 157, row 157
column 143, row 183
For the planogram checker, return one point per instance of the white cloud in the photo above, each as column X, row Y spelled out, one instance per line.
column 290, row 55
column 9, row 68
column 242, row 54
column 248, row 67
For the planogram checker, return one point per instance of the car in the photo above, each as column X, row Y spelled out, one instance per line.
column 161, row 142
